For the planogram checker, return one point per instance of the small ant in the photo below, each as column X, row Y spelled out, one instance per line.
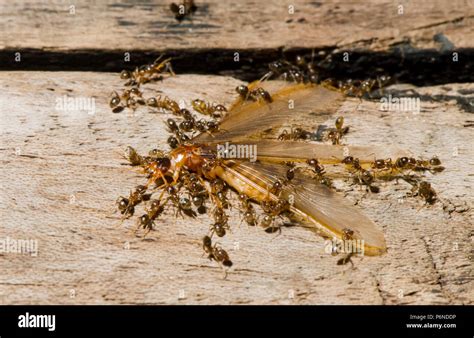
column 215, row 252
column 335, row 135
column 126, row 206
column 295, row 134
column 254, row 95
column 180, row 12
column 146, row 221
column 204, row 108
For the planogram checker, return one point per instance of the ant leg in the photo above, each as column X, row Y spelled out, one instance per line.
column 266, row 76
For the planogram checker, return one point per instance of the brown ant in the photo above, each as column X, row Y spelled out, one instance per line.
column 336, row 134
column 275, row 208
column 363, row 177
column 165, row 104
column 295, row 134
column 424, row 190
column 218, row 191
column 215, row 252
column 254, row 95
column 432, row 165
column 357, row 88
column 182, row 203
column 185, row 9
column 133, row 157
column 146, row 221
column 220, row 223
column 319, row 170
column 346, row 259
column 218, row 229
column 204, row 108
column 147, row 73
column 126, row 206
column 250, row 216
column 173, row 142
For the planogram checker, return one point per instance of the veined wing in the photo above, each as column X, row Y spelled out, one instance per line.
column 290, row 104
column 282, row 151
column 319, row 208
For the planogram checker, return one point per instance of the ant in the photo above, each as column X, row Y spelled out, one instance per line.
column 165, row 104
column 132, row 156
column 249, row 214
column 432, row 165
column 424, row 190
column 295, row 134
column 157, row 169
column 254, row 95
column 182, row 11
column 126, row 206
column 204, row 108
column 147, row 73
column 363, row 176
column 146, row 221
column 215, row 252
column 335, row 134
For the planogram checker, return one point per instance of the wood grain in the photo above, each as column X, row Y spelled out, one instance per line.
column 137, row 25
column 61, row 172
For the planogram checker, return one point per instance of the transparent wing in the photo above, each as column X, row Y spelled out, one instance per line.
column 318, row 207
column 291, row 104
column 283, row 151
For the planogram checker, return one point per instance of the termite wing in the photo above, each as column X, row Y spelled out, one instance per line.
column 312, row 203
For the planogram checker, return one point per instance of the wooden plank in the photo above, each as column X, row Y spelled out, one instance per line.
column 61, row 172
column 236, row 25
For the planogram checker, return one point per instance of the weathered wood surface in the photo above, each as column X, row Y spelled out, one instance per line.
column 136, row 25
column 61, row 172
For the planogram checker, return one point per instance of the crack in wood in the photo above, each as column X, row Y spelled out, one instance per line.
column 405, row 64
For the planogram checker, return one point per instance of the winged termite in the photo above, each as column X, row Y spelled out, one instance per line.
column 315, row 204
column 200, row 167
column 289, row 105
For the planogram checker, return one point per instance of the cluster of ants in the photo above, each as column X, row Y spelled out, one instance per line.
column 188, row 196
column 304, row 71
column 401, row 167
column 187, row 191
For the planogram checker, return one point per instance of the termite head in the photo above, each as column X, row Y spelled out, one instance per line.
column 188, row 156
